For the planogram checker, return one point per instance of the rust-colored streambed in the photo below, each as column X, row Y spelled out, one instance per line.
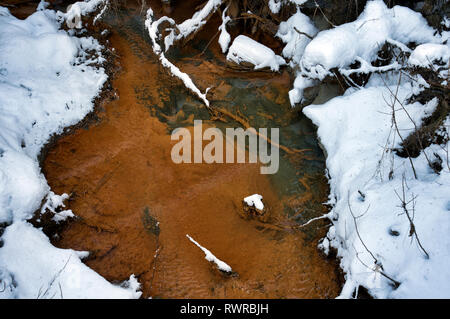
column 135, row 206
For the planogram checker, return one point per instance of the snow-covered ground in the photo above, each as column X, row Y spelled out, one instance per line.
column 378, row 246
column 357, row 41
column 393, row 251
column 47, row 82
column 221, row 265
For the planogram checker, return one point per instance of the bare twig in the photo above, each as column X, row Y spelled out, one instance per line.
column 326, row 18
column 303, row 33
column 394, row 119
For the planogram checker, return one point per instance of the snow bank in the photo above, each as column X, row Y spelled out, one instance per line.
column 255, row 200
column 248, row 50
column 36, row 269
column 211, row 258
column 46, row 84
column 367, row 215
column 53, row 202
column 152, row 27
column 193, row 24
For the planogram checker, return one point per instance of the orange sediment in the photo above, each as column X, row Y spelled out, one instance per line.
column 135, row 206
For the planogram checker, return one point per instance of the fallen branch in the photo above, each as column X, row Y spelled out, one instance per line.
column 222, row 266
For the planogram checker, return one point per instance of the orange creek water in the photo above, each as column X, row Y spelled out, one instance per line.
column 135, row 206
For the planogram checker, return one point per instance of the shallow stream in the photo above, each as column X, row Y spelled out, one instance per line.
column 135, row 206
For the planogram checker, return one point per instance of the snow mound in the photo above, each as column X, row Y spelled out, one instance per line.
column 255, row 200
column 245, row 49
column 46, row 84
column 363, row 38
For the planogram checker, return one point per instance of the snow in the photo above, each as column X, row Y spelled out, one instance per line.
column 296, row 42
column 425, row 54
column 275, row 6
column 84, row 8
column 36, row 269
column 224, row 38
column 152, row 27
column 55, row 201
column 175, row 71
column 360, row 40
column 363, row 38
column 211, row 258
column 193, row 24
column 371, row 231
column 46, row 84
column 255, row 200
column 245, row 49
column 354, row 129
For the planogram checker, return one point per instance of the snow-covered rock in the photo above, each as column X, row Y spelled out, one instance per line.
column 247, row 50
column 254, row 200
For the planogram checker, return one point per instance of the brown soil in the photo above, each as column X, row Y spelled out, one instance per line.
column 136, row 206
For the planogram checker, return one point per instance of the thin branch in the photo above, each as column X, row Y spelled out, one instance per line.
column 404, row 206
column 378, row 266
